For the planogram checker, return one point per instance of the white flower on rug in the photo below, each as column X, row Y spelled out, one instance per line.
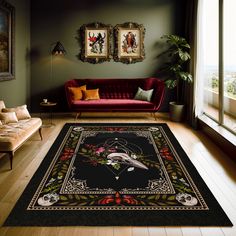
column 130, row 169
column 153, row 129
column 50, row 182
column 48, row 199
column 110, row 162
column 186, row 199
column 184, row 182
column 133, row 156
column 78, row 128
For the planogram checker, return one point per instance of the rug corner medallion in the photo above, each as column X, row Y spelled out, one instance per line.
column 97, row 171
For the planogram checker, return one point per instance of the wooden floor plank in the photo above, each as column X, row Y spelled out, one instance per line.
column 85, row 231
column 229, row 231
column 122, row 231
column 140, row 231
column 3, row 231
column 105, row 231
column 154, row 231
column 71, row 231
column 191, row 231
column 206, row 231
column 173, row 231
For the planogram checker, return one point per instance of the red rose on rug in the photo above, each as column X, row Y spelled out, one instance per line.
column 165, row 153
column 67, row 154
column 118, row 199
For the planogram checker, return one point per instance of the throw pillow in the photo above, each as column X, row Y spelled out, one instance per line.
column 91, row 94
column 22, row 112
column 76, row 92
column 144, row 95
column 8, row 117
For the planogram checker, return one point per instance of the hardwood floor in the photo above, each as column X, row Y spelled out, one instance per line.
column 217, row 170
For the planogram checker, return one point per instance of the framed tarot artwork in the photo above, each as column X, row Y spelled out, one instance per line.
column 7, row 18
column 129, row 43
column 96, row 42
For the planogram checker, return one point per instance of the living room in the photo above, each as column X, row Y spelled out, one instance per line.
column 207, row 143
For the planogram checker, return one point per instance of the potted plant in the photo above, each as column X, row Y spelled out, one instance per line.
column 174, row 69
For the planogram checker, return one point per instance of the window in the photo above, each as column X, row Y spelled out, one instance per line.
column 218, row 61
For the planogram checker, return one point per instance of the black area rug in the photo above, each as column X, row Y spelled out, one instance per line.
column 117, row 174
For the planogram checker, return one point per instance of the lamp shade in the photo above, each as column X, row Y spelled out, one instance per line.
column 58, row 49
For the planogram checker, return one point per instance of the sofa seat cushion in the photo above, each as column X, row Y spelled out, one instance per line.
column 13, row 135
column 110, row 104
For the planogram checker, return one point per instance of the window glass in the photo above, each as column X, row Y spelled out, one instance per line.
column 229, row 47
column 210, row 51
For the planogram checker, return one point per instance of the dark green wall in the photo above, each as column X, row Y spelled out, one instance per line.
column 59, row 20
column 16, row 92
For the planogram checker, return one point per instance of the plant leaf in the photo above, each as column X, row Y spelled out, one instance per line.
column 171, row 198
column 171, row 83
column 184, row 56
column 63, row 198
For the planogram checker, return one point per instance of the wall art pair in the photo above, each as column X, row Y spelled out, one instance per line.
column 97, row 38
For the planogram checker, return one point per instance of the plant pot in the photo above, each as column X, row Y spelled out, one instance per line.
column 176, row 111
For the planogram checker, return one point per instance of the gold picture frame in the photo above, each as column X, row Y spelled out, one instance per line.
column 129, row 43
column 7, row 40
column 96, row 42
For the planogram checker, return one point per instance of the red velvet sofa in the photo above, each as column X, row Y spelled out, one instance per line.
column 116, row 95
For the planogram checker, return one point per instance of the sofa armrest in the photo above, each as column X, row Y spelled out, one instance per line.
column 159, row 90
column 159, row 94
column 70, row 83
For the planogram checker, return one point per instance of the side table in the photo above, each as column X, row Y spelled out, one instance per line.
column 49, row 106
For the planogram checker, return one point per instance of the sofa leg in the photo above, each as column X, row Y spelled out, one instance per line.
column 40, row 133
column 11, row 154
column 154, row 114
column 78, row 114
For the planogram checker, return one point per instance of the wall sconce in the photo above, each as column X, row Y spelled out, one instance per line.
column 58, row 49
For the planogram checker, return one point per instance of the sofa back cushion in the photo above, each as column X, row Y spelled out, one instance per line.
column 91, row 94
column 113, row 88
column 22, row 112
column 76, row 92
column 9, row 117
